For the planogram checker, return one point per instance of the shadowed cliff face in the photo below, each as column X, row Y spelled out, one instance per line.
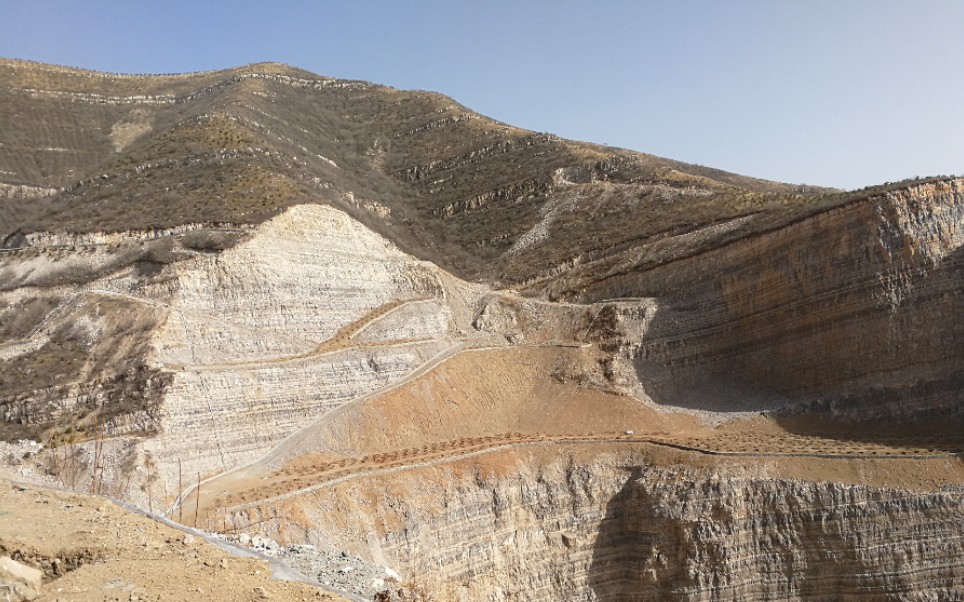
column 926, row 342
column 706, row 537
column 856, row 307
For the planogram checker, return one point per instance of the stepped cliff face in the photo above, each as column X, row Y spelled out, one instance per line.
column 304, row 282
column 310, row 311
column 853, row 306
column 508, row 365
column 617, row 525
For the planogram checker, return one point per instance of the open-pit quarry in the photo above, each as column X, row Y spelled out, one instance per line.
column 491, row 364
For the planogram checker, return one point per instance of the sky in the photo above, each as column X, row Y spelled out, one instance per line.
column 842, row 93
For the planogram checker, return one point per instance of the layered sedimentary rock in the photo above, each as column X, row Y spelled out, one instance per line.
column 297, row 281
column 613, row 526
column 220, row 270
column 262, row 338
column 309, row 311
column 679, row 535
column 856, row 305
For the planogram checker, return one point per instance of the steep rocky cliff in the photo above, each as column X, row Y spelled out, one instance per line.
column 619, row 524
column 855, row 306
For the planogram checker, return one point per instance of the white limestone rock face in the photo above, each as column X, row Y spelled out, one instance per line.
column 213, row 357
column 260, row 337
column 297, row 280
column 218, row 420
column 419, row 320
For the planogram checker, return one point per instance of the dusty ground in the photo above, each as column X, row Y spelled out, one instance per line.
column 90, row 549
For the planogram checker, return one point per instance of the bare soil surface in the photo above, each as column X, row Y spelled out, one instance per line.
column 484, row 403
column 90, row 549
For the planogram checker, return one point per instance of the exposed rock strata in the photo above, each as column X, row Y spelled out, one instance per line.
column 856, row 305
column 174, row 278
column 309, row 311
column 619, row 528
column 243, row 325
column 676, row 535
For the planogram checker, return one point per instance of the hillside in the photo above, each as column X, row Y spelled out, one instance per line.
column 373, row 321
column 91, row 550
column 447, row 184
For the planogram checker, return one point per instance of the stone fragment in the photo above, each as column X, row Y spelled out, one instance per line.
column 19, row 581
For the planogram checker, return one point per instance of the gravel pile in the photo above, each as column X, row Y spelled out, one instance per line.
column 334, row 569
column 339, row 569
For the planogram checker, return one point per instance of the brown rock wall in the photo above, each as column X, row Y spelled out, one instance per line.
column 856, row 303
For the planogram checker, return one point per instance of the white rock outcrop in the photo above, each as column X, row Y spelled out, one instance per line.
column 311, row 311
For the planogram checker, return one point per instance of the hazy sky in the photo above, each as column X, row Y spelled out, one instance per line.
column 834, row 92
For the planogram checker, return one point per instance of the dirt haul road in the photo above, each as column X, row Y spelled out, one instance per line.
column 311, row 472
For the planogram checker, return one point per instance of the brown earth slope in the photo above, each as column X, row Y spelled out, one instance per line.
column 89, row 549
column 108, row 152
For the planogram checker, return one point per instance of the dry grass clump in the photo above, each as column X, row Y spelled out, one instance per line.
column 56, row 363
column 19, row 319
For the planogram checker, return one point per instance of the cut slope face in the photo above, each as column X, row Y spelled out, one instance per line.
column 261, row 338
column 610, row 521
column 236, row 348
column 491, row 465
column 856, row 306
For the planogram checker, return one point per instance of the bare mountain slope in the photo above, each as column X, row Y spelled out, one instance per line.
column 470, row 193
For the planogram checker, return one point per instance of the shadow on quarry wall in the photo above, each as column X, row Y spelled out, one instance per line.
column 926, row 334
column 695, row 389
column 673, row 374
column 898, row 358
column 670, row 536
column 619, row 549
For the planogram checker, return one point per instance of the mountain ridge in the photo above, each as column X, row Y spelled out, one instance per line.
column 435, row 162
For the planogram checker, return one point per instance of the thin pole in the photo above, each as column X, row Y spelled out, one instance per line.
column 180, row 489
column 197, row 506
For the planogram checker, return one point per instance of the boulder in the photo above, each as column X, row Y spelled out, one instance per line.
column 19, row 581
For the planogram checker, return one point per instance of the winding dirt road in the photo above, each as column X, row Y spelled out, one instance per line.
column 309, row 473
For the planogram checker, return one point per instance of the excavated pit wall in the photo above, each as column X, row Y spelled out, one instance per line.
column 247, row 331
column 621, row 528
column 859, row 304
